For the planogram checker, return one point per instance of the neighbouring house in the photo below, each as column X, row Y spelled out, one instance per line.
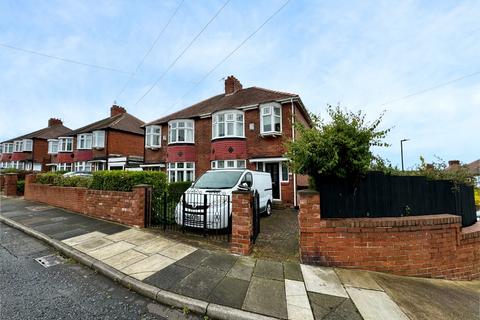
column 113, row 143
column 30, row 151
column 474, row 168
column 240, row 128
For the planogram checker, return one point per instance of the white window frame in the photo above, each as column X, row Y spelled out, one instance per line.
column 98, row 139
column 1, row 150
column 82, row 166
column 284, row 165
column 229, row 164
column 63, row 143
column 8, row 147
column 64, row 167
column 173, row 169
column 53, row 146
column 27, row 145
column 225, row 118
column 174, row 128
column 150, row 134
column 268, row 110
column 86, row 140
column 18, row 146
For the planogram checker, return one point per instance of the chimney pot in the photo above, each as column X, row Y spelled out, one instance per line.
column 232, row 85
column 116, row 110
column 54, row 122
column 452, row 163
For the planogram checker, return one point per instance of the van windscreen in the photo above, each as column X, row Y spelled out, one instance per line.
column 218, row 180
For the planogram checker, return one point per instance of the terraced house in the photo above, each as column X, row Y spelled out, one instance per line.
column 240, row 128
column 30, row 151
column 113, row 143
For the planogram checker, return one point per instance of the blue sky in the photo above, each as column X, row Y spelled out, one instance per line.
column 360, row 54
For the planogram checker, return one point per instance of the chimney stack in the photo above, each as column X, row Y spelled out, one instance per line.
column 232, row 85
column 453, row 163
column 54, row 122
column 116, row 110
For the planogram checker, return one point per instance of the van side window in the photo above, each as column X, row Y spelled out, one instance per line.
column 248, row 178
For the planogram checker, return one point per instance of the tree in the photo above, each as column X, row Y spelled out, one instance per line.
column 340, row 148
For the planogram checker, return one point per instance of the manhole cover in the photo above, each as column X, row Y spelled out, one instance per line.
column 39, row 208
column 50, row 260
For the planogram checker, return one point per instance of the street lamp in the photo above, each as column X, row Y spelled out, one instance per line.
column 401, row 149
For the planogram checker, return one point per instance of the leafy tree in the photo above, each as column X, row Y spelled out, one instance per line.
column 339, row 148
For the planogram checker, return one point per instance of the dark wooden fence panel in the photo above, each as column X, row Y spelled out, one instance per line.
column 380, row 195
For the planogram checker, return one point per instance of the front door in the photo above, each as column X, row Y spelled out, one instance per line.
column 273, row 169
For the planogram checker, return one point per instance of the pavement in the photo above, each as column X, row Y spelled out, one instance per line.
column 223, row 285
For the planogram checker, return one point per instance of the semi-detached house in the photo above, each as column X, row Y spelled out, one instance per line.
column 240, row 128
column 113, row 143
column 30, row 151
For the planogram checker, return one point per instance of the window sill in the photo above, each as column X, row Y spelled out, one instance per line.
column 271, row 134
column 230, row 137
column 96, row 148
column 153, row 148
column 84, row 148
column 180, row 143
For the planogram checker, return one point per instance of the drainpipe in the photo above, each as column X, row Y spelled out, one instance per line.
column 106, row 149
column 293, row 139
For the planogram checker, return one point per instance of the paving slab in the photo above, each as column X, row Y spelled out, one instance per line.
column 92, row 244
column 373, row 304
column 268, row 269
column 155, row 245
column 168, row 277
column 111, row 250
column 329, row 307
column 125, row 259
column 292, row 271
column 67, row 234
column 242, row 269
column 148, row 266
column 140, row 238
column 220, row 261
column 34, row 221
column 194, row 259
column 358, row 279
column 200, row 283
column 50, row 228
column 84, row 237
column 112, row 228
column 322, row 280
column 266, row 296
column 298, row 305
column 230, row 292
column 123, row 235
column 177, row 251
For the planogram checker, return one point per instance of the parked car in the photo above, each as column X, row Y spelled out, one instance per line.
column 78, row 174
column 212, row 192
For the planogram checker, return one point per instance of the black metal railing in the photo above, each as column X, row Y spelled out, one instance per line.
column 255, row 216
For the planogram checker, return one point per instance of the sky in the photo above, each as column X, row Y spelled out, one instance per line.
column 363, row 55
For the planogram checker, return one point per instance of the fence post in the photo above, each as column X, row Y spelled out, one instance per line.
column 308, row 223
column 242, row 223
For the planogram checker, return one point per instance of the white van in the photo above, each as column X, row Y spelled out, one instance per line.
column 215, row 188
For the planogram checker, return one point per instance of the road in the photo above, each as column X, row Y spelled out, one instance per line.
column 67, row 290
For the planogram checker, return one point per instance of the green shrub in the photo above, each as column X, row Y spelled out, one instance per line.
column 20, row 186
column 178, row 187
column 126, row 180
column 57, row 179
column 48, row 177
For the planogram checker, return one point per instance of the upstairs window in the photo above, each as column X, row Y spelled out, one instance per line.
column 228, row 164
column 65, row 144
column 98, row 140
column 7, row 147
column 84, row 141
column 1, row 148
column 181, row 131
column 18, row 146
column 153, row 137
column 228, row 124
column 271, row 119
column 27, row 145
column 52, row 146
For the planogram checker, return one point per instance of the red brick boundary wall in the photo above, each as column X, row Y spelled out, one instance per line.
column 426, row 246
column 242, row 223
column 123, row 207
column 11, row 184
column 2, row 181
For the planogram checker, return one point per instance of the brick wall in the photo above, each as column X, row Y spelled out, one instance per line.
column 40, row 152
column 427, row 246
column 10, row 185
column 125, row 144
column 123, row 207
column 242, row 223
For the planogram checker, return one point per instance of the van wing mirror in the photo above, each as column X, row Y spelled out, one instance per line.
column 244, row 186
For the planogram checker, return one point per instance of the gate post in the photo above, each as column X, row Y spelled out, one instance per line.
column 11, row 184
column 242, row 223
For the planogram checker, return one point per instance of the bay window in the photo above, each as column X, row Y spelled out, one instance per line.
column 228, row 164
column 1, row 148
column 153, row 136
column 181, row 171
column 7, row 147
column 82, row 166
column 52, row 146
column 65, row 144
column 84, row 141
column 98, row 139
column 27, row 145
column 228, row 124
column 18, row 146
column 64, row 167
column 181, row 131
column 271, row 119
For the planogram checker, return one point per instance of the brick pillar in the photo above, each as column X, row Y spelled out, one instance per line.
column 308, row 224
column 242, row 223
column 11, row 184
column 143, row 204
column 29, row 179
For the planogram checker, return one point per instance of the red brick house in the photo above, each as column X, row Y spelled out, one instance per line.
column 240, row 128
column 30, row 151
column 113, row 143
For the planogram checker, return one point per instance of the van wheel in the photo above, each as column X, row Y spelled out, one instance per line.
column 268, row 211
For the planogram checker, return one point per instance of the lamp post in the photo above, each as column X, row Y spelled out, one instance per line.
column 401, row 149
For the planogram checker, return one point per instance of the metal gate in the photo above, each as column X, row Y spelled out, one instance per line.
column 255, row 215
column 206, row 214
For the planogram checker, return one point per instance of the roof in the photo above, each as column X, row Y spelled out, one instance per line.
column 45, row 133
column 123, row 122
column 474, row 167
column 244, row 97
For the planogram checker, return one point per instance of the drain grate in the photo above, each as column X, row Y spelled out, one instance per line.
column 50, row 260
column 38, row 208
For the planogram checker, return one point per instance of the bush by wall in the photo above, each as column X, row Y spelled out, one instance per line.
column 48, row 177
column 126, row 180
column 178, row 187
column 57, row 179
column 20, row 187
